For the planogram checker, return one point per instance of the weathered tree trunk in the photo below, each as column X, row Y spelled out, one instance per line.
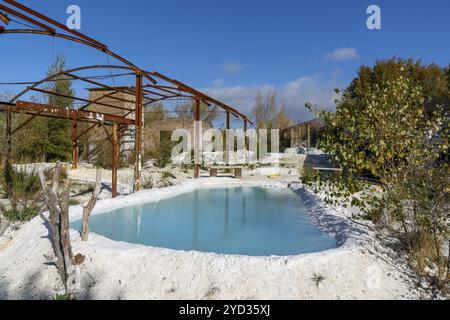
column 58, row 220
column 87, row 209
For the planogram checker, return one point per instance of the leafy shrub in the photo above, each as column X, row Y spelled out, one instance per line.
column 23, row 215
column 148, row 183
column 386, row 131
column 22, row 186
column 308, row 174
column 161, row 155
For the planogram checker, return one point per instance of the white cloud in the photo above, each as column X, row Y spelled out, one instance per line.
column 232, row 67
column 341, row 54
column 295, row 94
column 218, row 83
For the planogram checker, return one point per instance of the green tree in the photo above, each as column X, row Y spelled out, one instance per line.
column 58, row 140
column 447, row 75
column 155, row 113
column 381, row 127
column 431, row 78
column 46, row 139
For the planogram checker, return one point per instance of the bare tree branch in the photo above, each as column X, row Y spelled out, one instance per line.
column 87, row 209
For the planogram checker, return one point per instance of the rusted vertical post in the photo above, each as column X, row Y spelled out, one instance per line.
column 246, row 142
column 75, row 150
column 245, row 132
column 196, row 139
column 138, row 134
column 115, row 158
column 227, row 142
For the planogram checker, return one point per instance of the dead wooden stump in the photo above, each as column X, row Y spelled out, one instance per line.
column 87, row 209
column 58, row 221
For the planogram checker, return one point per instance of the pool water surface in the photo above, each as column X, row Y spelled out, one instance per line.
column 250, row 221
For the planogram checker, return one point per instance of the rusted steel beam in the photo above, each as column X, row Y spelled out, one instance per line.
column 48, row 33
column 227, row 140
column 168, row 99
column 246, row 139
column 74, row 35
column 197, row 118
column 54, row 22
column 199, row 94
column 105, row 86
column 165, row 89
column 70, row 113
column 75, row 150
column 114, row 158
column 69, row 73
column 138, row 133
column 155, row 93
column 4, row 18
column 26, row 18
column 32, row 113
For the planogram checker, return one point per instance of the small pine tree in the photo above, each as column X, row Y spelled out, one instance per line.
column 58, row 140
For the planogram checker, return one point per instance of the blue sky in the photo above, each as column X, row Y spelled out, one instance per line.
column 231, row 49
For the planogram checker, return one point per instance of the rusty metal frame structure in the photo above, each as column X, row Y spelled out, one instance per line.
column 149, row 87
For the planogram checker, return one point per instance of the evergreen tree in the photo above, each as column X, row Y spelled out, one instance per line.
column 58, row 146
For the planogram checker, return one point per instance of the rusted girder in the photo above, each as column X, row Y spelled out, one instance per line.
column 69, row 113
column 4, row 18
column 54, row 22
column 197, row 137
column 26, row 18
column 199, row 94
column 73, row 34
